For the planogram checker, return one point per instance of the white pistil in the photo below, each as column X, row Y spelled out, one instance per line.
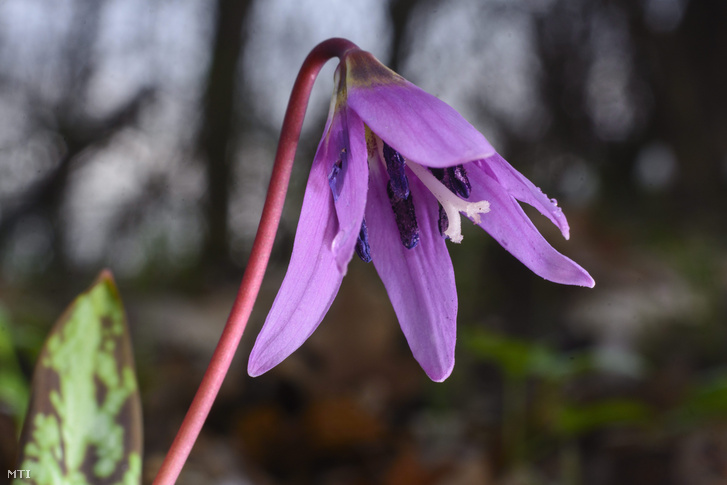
column 451, row 203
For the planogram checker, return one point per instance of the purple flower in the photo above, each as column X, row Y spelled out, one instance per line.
column 393, row 172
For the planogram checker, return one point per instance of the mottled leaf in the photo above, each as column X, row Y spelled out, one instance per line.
column 83, row 424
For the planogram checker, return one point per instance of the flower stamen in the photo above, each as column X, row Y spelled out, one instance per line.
column 362, row 243
column 405, row 217
column 443, row 222
column 334, row 181
column 397, row 189
column 450, row 202
column 455, row 179
column 395, row 166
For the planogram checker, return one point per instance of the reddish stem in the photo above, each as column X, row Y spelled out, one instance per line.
column 259, row 257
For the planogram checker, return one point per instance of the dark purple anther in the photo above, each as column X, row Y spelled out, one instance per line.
column 362, row 244
column 438, row 172
column 443, row 221
column 455, row 179
column 395, row 165
column 460, row 183
column 336, row 176
column 405, row 217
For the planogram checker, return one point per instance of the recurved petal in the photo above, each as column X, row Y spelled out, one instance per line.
column 517, row 185
column 511, row 227
column 421, row 127
column 310, row 284
column 419, row 281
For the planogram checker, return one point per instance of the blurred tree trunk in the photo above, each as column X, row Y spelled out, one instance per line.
column 78, row 130
column 400, row 13
column 688, row 76
column 44, row 198
column 216, row 142
column 81, row 65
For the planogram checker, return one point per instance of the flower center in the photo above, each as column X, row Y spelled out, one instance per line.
column 451, row 203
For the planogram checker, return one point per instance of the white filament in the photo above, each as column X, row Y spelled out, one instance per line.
column 451, row 203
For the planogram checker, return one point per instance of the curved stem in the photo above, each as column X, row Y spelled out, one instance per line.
column 259, row 257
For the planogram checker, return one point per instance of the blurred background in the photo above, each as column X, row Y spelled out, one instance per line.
column 139, row 136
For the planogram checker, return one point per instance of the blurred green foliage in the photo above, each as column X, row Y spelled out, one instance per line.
column 13, row 384
column 539, row 409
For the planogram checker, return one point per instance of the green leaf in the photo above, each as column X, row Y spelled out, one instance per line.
column 83, row 424
column 13, row 385
column 520, row 359
column 575, row 420
column 706, row 401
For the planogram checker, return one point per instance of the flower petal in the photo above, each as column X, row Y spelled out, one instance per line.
column 419, row 281
column 511, row 227
column 517, row 185
column 311, row 282
column 418, row 125
column 346, row 142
